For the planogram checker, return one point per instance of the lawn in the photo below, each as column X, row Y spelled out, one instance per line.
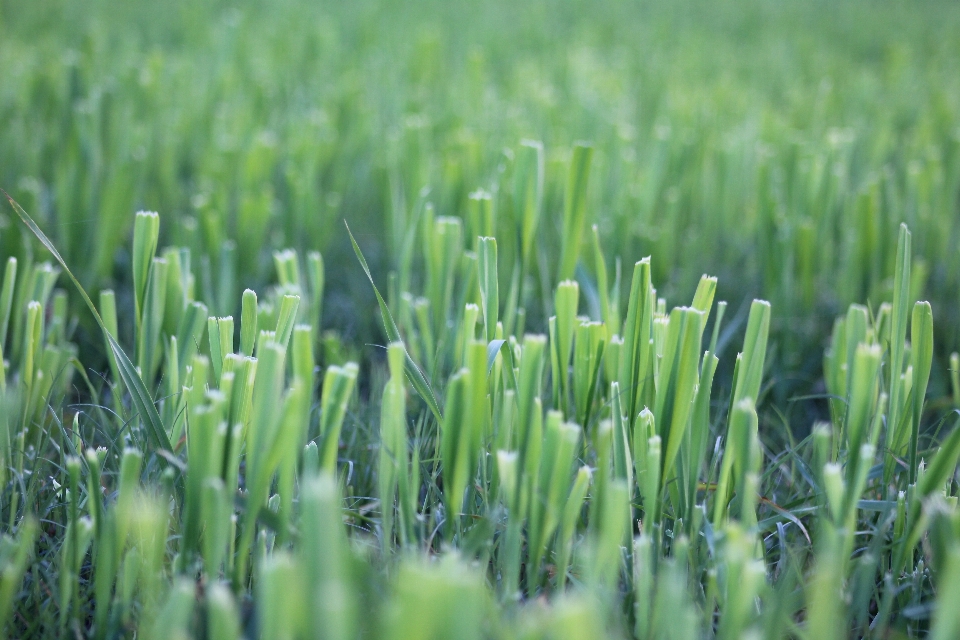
column 389, row 320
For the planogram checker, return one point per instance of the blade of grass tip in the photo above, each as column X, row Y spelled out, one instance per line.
column 955, row 378
column 679, row 376
column 108, row 310
column 143, row 403
column 248, row 322
column 703, row 297
column 338, row 386
column 225, row 330
column 635, row 354
column 316, row 279
column 288, row 268
column 754, row 352
column 898, row 325
column 287, row 319
column 414, row 374
column 856, row 332
column 146, row 232
column 862, row 400
column 34, row 330
column 465, row 333
column 493, row 348
column 302, row 351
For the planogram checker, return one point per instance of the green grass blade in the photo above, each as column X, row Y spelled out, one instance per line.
column 414, row 374
column 489, row 286
column 921, row 350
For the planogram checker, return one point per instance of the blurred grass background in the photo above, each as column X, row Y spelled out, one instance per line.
column 774, row 144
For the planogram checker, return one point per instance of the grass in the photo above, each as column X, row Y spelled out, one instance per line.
column 466, row 415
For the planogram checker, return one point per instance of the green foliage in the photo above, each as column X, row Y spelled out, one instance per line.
column 544, row 448
column 256, row 509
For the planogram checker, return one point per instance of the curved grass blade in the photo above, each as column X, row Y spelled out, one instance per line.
column 142, row 400
column 414, row 374
column 493, row 348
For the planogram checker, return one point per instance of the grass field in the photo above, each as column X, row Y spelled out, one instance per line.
column 504, row 402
